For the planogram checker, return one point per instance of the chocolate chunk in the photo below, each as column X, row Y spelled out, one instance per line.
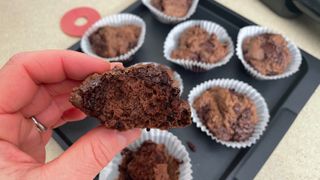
column 237, row 108
column 228, row 115
column 267, row 53
column 141, row 96
column 191, row 146
column 125, row 151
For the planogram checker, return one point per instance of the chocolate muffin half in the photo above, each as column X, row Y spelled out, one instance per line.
column 141, row 96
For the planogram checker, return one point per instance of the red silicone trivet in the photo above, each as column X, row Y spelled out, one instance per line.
column 68, row 25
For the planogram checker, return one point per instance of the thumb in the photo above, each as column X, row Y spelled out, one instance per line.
column 86, row 158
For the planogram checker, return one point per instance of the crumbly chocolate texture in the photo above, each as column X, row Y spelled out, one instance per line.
column 150, row 161
column 176, row 8
column 109, row 41
column 197, row 44
column 228, row 115
column 267, row 53
column 141, row 96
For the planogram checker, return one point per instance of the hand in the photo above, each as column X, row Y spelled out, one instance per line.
column 38, row 84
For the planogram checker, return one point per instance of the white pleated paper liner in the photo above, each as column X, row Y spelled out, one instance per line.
column 250, row 31
column 176, row 75
column 172, row 41
column 173, row 146
column 242, row 88
column 115, row 20
column 162, row 17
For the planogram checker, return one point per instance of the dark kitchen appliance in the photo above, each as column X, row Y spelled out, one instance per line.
column 293, row 8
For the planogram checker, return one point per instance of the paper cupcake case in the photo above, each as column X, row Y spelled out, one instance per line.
column 250, row 31
column 115, row 20
column 162, row 17
column 172, row 41
column 173, row 146
column 176, row 75
column 242, row 88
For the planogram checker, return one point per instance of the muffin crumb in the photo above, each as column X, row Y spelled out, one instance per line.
column 191, row 146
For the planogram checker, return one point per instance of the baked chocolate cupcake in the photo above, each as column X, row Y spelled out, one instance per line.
column 175, row 8
column 228, row 115
column 140, row 96
column 231, row 112
column 150, row 161
column 198, row 45
column 114, row 38
column 110, row 41
column 267, row 53
column 171, row 11
column 157, row 154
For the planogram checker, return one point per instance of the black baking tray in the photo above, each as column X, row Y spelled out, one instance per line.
column 285, row 98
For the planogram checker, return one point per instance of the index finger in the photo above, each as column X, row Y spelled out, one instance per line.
column 21, row 76
column 51, row 66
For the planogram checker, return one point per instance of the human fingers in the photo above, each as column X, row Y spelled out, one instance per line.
column 51, row 113
column 29, row 70
column 54, row 112
column 89, row 154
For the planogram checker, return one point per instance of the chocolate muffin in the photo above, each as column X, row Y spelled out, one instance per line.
column 141, row 96
column 176, row 8
column 267, row 53
column 109, row 41
column 150, row 161
column 228, row 115
column 196, row 44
